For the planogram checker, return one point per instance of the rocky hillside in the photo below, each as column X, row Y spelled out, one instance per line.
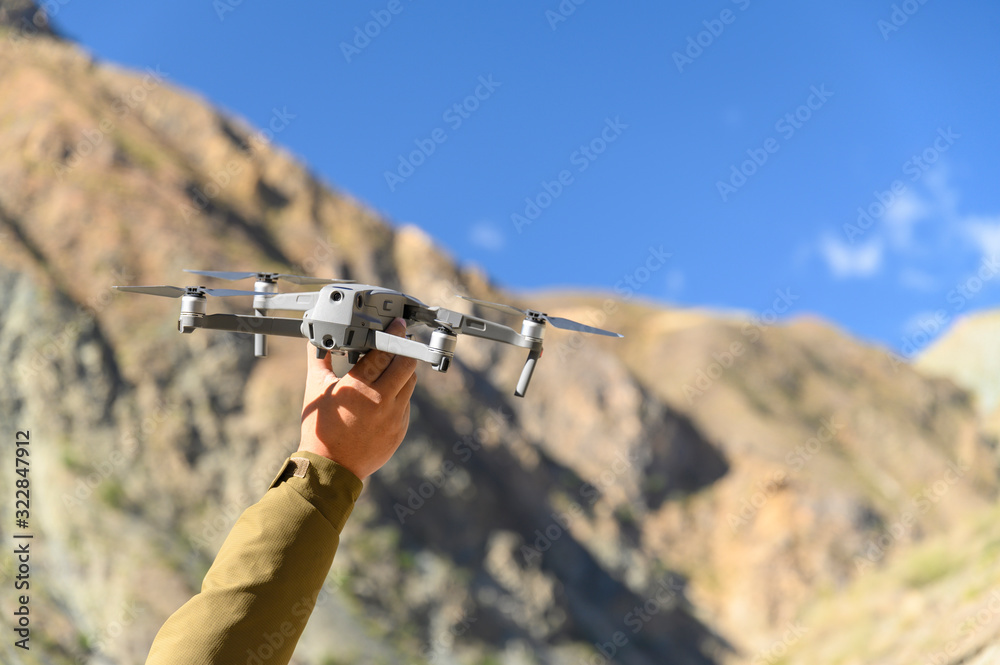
column 969, row 355
column 686, row 495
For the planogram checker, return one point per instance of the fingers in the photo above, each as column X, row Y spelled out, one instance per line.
column 407, row 390
column 406, row 419
column 318, row 369
column 395, row 376
column 375, row 362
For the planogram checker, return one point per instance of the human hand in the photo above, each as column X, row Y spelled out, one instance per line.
column 358, row 420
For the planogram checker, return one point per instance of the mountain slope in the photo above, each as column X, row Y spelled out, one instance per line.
column 725, row 492
column 105, row 169
column 968, row 354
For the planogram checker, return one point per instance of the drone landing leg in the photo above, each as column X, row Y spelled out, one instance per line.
column 529, row 368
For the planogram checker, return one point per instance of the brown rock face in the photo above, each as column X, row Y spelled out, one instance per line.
column 681, row 495
column 25, row 18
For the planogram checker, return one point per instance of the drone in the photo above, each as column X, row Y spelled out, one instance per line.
column 348, row 318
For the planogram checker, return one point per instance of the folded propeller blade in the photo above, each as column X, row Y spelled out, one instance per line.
column 270, row 276
column 162, row 291
column 557, row 321
column 566, row 324
column 230, row 292
column 221, row 274
column 177, row 292
column 302, row 279
column 496, row 305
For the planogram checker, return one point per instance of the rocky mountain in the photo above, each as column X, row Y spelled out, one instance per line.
column 968, row 354
column 710, row 489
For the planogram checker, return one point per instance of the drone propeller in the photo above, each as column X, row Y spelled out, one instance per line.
column 177, row 292
column 270, row 277
column 557, row 321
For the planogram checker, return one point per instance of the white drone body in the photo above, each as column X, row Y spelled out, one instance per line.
column 350, row 319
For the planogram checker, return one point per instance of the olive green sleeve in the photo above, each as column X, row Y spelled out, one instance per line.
column 258, row 594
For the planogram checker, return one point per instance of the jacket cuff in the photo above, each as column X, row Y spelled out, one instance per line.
column 329, row 487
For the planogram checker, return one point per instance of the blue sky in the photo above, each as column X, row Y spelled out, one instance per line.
column 558, row 143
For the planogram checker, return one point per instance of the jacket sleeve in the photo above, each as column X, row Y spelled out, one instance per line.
column 258, row 594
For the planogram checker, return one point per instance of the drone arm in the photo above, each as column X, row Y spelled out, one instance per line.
column 401, row 346
column 261, row 325
column 476, row 327
column 299, row 302
column 483, row 328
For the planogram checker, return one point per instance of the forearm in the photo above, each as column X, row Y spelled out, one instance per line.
column 260, row 591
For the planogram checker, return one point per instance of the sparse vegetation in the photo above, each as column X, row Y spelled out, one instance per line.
column 112, row 493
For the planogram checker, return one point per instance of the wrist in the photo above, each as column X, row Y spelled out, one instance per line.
column 318, row 448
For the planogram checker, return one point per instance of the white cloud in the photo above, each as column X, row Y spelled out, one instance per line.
column 984, row 233
column 487, row 235
column 945, row 196
column 901, row 216
column 847, row 261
